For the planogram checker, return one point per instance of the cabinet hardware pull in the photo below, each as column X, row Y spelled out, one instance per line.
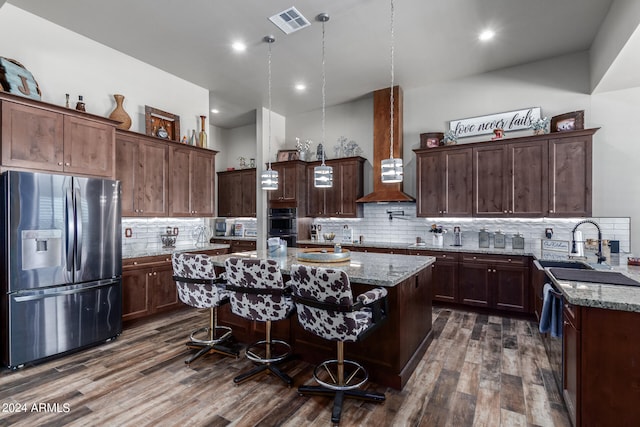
column 155, row 274
column 59, row 163
column 494, row 270
column 67, row 164
column 149, row 274
column 489, row 270
column 135, row 262
column 505, row 211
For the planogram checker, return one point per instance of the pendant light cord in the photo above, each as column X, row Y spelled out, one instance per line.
column 269, row 92
column 391, row 126
column 324, row 84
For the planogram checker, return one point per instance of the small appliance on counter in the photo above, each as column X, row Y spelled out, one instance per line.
column 483, row 238
column 457, row 236
column 220, row 226
column 517, row 241
column 499, row 241
column 315, row 231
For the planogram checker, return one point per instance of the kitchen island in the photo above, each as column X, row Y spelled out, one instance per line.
column 392, row 352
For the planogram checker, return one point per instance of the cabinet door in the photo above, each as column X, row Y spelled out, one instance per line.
column 445, row 281
column 457, row 176
column 510, row 285
column 570, row 176
column 286, row 191
column 180, row 199
column 165, row 293
column 89, row 147
column 31, row 138
column 315, row 196
column 229, row 194
column 350, row 187
column 430, row 186
column 529, row 189
column 153, row 187
column 202, row 183
column 248, row 190
column 129, row 163
column 490, row 170
column 135, row 293
column 473, row 285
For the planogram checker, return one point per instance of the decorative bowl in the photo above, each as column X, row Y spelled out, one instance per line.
column 168, row 240
column 329, row 236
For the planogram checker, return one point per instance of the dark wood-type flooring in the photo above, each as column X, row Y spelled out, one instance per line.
column 479, row 371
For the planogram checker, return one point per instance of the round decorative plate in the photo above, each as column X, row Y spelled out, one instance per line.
column 323, row 255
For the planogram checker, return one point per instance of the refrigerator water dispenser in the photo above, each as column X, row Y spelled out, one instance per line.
column 41, row 249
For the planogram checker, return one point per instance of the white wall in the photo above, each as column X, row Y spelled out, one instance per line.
column 62, row 62
column 238, row 142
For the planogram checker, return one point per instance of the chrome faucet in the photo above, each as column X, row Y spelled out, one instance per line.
column 601, row 257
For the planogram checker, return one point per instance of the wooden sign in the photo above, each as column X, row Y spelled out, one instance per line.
column 509, row 121
column 16, row 79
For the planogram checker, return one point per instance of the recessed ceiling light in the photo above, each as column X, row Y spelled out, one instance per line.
column 239, row 46
column 300, row 87
column 486, row 35
column 215, row 111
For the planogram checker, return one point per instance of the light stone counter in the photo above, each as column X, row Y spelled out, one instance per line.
column 368, row 268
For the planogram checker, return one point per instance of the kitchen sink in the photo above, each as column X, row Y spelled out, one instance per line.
column 579, row 265
column 593, row 276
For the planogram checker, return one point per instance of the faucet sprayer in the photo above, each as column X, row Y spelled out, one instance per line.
column 601, row 258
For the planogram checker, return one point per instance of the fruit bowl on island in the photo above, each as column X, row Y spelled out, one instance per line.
column 329, row 236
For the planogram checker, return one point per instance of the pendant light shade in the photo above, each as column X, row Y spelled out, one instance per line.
column 391, row 169
column 323, row 174
column 269, row 178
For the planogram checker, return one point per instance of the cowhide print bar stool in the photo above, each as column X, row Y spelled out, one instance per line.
column 325, row 307
column 259, row 293
column 199, row 287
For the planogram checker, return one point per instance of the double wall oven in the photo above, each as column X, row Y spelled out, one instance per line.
column 283, row 223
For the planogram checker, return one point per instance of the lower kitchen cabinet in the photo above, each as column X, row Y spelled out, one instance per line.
column 237, row 245
column 445, row 275
column 494, row 281
column 571, row 359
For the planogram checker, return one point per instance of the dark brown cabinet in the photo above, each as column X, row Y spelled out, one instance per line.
column 237, row 245
column 571, row 360
column 532, row 176
column 570, row 161
column 237, row 193
column 444, row 275
column 510, row 179
column 339, row 201
column 292, row 187
column 143, row 170
column 44, row 137
column 444, row 182
column 192, row 182
column 494, row 281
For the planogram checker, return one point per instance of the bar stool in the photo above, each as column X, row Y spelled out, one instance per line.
column 325, row 307
column 199, row 287
column 257, row 292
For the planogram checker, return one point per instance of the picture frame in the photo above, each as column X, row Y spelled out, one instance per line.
column 431, row 139
column 155, row 119
column 286, row 155
column 568, row 121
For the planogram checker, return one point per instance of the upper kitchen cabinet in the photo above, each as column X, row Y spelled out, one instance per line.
column 570, row 161
column 143, row 170
column 292, row 187
column 339, row 201
column 40, row 136
column 510, row 179
column 444, row 182
column 192, row 183
column 237, row 193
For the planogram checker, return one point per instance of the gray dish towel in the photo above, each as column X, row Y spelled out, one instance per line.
column 551, row 316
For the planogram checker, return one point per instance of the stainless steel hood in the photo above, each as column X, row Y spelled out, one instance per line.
column 381, row 126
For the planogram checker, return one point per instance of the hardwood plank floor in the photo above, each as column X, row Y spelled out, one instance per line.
column 479, row 371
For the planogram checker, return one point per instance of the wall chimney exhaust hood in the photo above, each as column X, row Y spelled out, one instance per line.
column 381, row 127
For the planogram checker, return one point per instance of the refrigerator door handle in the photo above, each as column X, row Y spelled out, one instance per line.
column 40, row 296
column 78, row 210
column 70, row 229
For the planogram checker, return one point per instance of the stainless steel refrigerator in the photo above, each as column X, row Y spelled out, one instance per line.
column 62, row 264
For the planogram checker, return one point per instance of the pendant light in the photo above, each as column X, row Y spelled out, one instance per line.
column 323, row 174
column 269, row 178
column 391, row 169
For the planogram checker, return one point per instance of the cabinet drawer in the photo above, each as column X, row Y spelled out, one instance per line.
column 496, row 259
column 147, row 261
column 572, row 314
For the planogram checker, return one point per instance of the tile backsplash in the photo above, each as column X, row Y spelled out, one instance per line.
column 405, row 227
column 145, row 232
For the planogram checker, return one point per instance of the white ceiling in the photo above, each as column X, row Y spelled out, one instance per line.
column 434, row 41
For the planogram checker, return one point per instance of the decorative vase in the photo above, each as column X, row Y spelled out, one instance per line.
column 120, row 114
column 539, row 132
column 202, row 138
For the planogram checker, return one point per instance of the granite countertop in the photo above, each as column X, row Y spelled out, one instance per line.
column 139, row 252
column 386, row 270
column 251, row 239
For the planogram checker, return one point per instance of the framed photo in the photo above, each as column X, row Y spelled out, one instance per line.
column 161, row 124
column 568, row 121
column 286, row 155
column 431, row 139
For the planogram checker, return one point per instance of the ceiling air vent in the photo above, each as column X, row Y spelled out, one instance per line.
column 290, row 20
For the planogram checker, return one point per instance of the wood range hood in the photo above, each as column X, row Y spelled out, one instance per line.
column 381, row 126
